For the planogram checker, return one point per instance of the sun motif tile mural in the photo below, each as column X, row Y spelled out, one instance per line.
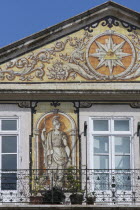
column 110, row 55
column 107, row 50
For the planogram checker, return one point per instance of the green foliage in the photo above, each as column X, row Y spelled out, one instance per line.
column 73, row 180
column 37, row 184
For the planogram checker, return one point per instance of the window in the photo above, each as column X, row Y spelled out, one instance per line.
column 8, row 153
column 111, row 151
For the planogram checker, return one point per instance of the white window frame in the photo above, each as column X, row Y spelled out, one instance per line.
column 9, row 133
column 111, row 134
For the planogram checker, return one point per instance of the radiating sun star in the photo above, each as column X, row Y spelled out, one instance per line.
column 109, row 54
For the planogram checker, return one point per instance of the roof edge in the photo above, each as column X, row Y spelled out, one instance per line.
column 27, row 41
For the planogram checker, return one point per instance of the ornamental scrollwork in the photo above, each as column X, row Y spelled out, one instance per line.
column 135, row 71
column 86, row 104
column 89, row 57
column 135, row 104
column 110, row 21
column 72, row 64
column 55, row 103
column 27, row 104
column 32, row 66
column 24, row 104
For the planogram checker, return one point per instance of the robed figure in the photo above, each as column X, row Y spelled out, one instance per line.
column 55, row 144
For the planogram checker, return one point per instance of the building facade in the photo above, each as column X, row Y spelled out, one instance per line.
column 70, row 101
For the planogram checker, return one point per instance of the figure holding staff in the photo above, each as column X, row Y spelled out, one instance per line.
column 56, row 149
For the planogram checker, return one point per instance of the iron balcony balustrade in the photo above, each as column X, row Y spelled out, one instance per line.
column 108, row 187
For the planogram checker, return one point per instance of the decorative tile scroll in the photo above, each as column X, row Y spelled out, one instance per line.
column 110, row 52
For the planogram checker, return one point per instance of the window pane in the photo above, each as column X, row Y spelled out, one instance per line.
column 9, row 144
column 100, row 125
column 121, row 125
column 122, row 162
column 9, row 125
column 101, row 144
column 122, row 144
column 9, row 162
column 101, row 162
column 8, row 181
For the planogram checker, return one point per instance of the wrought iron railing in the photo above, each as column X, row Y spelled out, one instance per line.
column 111, row 187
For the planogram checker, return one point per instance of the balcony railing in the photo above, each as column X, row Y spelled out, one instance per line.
column 106, row 187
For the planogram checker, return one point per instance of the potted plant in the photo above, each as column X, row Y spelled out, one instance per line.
column 91, row 198
column 73, row 185
column 37, row 186
column 53, row 196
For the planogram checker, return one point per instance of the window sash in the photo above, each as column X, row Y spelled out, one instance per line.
column 111, row 134
column 111, row 129
column 111, row 152
column 13, row 171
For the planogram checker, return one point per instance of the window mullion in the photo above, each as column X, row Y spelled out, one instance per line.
column 112, row 152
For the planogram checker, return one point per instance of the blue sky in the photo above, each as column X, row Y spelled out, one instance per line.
column 21, row 18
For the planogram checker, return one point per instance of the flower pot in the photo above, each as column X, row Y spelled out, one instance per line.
column 76, row 198
column 90, row 200
column 36, row 199
column 53, row 196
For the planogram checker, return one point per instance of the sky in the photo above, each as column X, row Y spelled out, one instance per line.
column 22, row 18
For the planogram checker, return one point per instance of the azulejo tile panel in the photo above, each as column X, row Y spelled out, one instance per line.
column 107, row 50
column 55, row 142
